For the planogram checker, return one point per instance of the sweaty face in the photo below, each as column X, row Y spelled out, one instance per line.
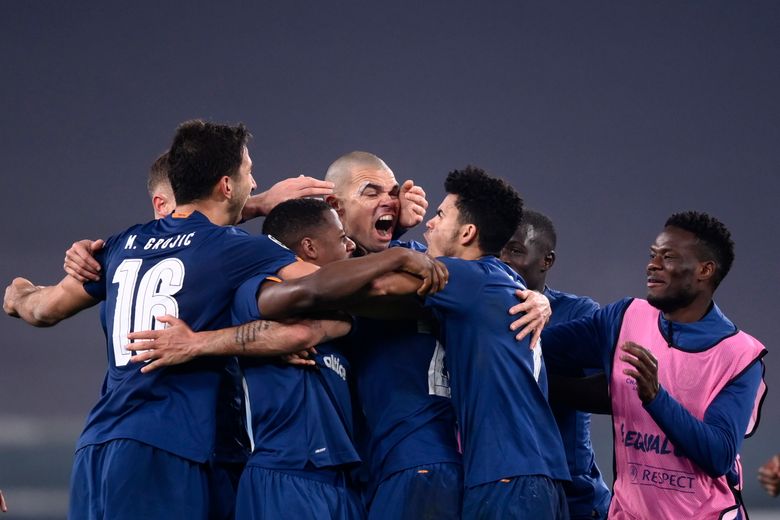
column 526, row 254
column 671, row 272
column 370, row 207
column 442, row 230
column 243, row 183
column 331, row 241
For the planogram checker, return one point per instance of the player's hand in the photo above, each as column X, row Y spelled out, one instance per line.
column 173, row 345
column 537, row 311
column 19, row 288
column 3, row 505
column 292, row 188
column 413, row 205
column 769, row 475
column 646, row 373
column 80, row 260
column 302, row 358
column 433, row 273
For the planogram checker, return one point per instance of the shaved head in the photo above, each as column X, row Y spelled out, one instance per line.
column 365, row 197
column 340, row 172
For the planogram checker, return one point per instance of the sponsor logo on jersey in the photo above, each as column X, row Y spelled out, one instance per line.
column 334, row 363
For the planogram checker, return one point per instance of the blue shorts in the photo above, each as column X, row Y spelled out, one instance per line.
column 223, row 486
column 526, row 496
column 270, row 493
column 433, row 492
column 125, row 479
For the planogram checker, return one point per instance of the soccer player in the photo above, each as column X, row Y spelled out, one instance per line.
column 412, row 467
column 232, row 444
column 410, row 453
column 148, row 432
column 512, row 452
column 685, row 383
column 531, row 252
column 301, row 418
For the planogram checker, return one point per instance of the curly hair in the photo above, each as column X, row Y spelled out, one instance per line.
column 491, row 204
column 714, row 239
column 293, row 220
column 201, row 154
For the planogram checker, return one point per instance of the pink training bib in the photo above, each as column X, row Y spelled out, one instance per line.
column 653, row 479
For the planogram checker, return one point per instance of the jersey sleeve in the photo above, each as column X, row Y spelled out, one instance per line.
column 587, row 342
column 99, row 289
column 462, row 288
column 246, row 256
column 712, row 443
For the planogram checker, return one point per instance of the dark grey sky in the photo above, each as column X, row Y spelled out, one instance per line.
column 608, row 116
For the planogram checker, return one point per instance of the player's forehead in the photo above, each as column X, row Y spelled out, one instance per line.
column 365, row 176
column 672, row 238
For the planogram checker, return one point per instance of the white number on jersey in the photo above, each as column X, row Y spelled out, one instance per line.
column 154, row 297
column 438, row 378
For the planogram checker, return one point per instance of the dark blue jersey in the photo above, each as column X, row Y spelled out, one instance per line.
column 587, row 490
column 188, row 268
column 301, row 417
column 403, row 393
column 711, row 443
column 498, row 384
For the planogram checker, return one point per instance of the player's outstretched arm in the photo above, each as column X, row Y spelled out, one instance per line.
column 3, row 505
column 293, row 188
column 341, row 284
column 44, row 306
column 537, row 311
column 178, row 343
column 80, row 260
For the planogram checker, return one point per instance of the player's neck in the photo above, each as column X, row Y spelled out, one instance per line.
column 213, row 211
column 693, row 312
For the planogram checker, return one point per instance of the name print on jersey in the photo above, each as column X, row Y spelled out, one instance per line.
column 172, row 242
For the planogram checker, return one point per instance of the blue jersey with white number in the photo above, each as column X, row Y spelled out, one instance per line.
column 185, row 267
column 498, row 384
column 301, row 417
column 403, row 393
column 587, row 490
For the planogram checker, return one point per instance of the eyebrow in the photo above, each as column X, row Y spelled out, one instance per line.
column 377, row 187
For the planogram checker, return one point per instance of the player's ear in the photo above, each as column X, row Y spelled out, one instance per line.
column 336, row 204
column 468, row 234
column 707, row 270
column 548, row 261
column 225, row 187
column 308, row 249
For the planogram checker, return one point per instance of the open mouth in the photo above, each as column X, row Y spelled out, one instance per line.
column 384, row 226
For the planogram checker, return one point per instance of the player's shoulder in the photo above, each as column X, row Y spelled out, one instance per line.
column 570, row 300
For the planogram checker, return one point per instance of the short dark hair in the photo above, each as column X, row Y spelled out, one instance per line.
column 201, row 154
column 158, row 173
column 489, row 203
column 713, row 237
column 541, row 224
column 293, row 220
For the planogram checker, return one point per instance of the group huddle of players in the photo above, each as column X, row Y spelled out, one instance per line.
column 384, row 378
